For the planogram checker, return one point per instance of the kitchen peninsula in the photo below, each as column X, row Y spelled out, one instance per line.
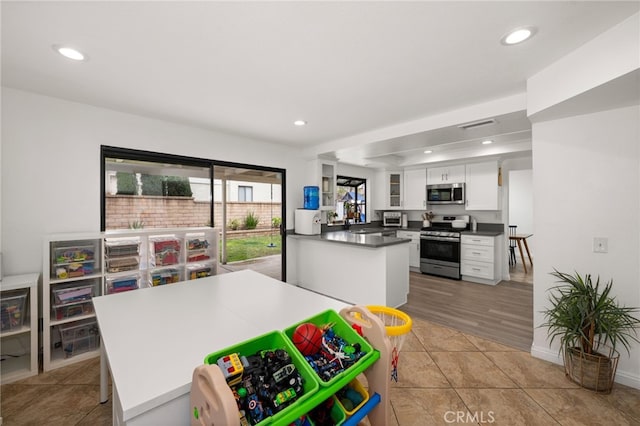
column 356, row 267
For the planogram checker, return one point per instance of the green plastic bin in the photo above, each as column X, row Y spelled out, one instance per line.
column 276, row 340
column 315, row 390
column 344, row 330
column 337, row 414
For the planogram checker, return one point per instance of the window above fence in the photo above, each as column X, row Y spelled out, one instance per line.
column 150, row 190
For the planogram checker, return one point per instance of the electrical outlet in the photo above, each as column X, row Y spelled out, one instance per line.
column 600, row 245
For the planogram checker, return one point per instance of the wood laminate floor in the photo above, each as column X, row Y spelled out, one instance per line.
column 502, row 313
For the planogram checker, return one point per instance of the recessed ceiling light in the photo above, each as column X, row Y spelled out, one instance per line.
column 428, row 151
column 518, row 35
column 70, row 52
column 299, row 122
column 487, row 142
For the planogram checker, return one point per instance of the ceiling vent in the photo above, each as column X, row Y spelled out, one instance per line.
column 477, row 124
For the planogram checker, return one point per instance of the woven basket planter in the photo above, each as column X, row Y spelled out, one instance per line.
column 591, row 371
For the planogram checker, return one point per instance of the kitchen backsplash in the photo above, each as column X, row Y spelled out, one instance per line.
column 480, row 216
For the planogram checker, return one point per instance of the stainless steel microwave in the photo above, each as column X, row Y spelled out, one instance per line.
column 446, row 193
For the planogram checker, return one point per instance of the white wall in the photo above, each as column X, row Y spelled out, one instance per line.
column 520, row 194
column 51, row 165
column 587, row 184
column 603, row 59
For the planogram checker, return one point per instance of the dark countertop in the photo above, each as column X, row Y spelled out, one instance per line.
column 362, row 239
column 483, row 233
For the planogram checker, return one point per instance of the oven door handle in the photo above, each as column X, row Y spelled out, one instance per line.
column 452, row 239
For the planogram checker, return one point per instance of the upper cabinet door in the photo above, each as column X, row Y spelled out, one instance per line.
column 327, row 171
column 456, row 174
column 482, row 191
column 395, row 190
column 322, row 173
column 415, row 189
column 450, row 174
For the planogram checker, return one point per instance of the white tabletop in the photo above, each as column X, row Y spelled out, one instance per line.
column 155, row 337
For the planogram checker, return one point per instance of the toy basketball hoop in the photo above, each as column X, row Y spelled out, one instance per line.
column 398, row 325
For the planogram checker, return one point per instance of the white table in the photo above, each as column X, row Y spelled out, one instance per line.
column 154, row 338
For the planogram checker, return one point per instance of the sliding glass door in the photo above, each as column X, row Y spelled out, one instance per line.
column 249, row 210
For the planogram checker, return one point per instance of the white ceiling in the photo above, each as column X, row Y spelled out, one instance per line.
column 252, row 68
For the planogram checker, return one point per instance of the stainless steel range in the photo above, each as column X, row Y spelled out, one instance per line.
column 440, row 246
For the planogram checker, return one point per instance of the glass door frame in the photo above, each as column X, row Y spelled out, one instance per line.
column 283, row 197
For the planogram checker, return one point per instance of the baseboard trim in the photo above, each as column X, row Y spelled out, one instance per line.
column 623, row 377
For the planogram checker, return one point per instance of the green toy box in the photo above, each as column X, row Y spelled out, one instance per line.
column 275, row 340
column 315, row 390
column 338, row 416
column 344, row 330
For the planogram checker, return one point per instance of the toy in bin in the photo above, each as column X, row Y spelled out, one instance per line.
column 262, row 384
column 327, row 353
column 232, row 367
column 327, row 413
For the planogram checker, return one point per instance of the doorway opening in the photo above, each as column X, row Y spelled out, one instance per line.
column 249, row 209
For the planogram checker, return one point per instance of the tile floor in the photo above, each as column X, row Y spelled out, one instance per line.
column 445, row 377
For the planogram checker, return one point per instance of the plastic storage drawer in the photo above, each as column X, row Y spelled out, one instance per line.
column 79, row 337
column 196, row 271
column 165, row 251
column 72, row 294
column 165, row 276
column 13, row 305
column 122, row 284
column 73, row 261
column 61, row 312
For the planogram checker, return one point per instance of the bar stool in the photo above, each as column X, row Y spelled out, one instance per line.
column 512, row 245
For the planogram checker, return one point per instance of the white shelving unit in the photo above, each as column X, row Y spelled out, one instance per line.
column 72, row 275
column 24, row 337
column 78, row 267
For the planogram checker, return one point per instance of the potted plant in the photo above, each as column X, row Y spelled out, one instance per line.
column 331, row 216
column 590, row 324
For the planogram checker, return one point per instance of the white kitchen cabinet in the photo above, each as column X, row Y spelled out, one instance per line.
column 79, row 267
column 19, row 332
column 480, row 258
column 482, row 190
column 324, row 176
column 415, row 189
column 414, row 246
column 450, row 174
column 322, row 173
column 327, row 185
column 395, row 190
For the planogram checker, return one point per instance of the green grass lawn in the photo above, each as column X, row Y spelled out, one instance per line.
column 252, row 247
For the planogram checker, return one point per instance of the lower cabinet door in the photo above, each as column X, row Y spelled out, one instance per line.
column 478, row 253
column 477, row 269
